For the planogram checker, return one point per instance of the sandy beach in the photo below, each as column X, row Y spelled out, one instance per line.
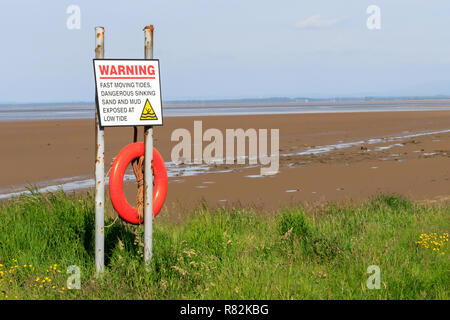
column 410, row 157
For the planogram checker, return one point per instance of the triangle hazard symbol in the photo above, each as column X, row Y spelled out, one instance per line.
column 148, row 113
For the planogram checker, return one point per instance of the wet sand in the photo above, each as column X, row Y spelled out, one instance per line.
column 416, row 166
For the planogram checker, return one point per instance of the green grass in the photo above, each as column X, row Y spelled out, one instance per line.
column 237, row 254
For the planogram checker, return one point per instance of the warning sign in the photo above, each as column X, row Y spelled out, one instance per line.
column 128, row 92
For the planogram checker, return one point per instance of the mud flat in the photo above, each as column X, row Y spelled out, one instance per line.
column 323, row 157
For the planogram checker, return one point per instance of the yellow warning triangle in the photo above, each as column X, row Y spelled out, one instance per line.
column 148, row 113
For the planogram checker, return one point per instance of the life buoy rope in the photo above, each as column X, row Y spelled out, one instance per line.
column 120, row 164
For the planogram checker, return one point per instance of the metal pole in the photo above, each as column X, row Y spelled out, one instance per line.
column 99, row 170
column 148, row 170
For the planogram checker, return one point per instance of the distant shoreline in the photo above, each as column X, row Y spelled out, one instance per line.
column 37, row 112
column 368, row 99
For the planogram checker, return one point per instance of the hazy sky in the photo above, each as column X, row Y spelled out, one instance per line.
column 230, row 49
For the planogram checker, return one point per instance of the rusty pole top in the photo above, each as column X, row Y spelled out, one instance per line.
column 148, row 31
column 99, row 42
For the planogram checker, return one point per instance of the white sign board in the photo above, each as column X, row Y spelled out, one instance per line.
column 128, row 92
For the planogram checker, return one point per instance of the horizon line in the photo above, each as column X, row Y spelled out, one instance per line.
column 255, row 99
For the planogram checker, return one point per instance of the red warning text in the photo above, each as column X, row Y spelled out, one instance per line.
column 126, row 72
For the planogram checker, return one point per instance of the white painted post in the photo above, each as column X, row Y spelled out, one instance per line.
column 148, row 170
column 99, row 170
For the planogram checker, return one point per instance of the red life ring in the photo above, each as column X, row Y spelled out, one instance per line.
column 120, row 164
